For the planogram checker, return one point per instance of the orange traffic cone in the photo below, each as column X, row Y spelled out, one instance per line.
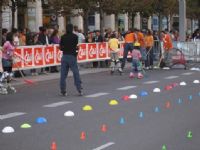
column 53, row 146
column 83, row 135
column 104, row 128
column 168, row 104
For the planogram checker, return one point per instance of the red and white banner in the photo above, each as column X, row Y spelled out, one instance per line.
column 37, row 56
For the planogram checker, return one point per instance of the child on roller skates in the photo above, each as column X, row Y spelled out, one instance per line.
column 136, row 62
column 114, row 54
column 7, row 62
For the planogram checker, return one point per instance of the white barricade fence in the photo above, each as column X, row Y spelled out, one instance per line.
column 37, row 56
column 191, row 50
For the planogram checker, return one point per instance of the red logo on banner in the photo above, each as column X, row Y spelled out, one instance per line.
column 58, row 55
column 28, row 57
column 102, row 50
column 18, row 61
column 92, row 51
column 49, row 55
column 82, row 52
column 38, row 61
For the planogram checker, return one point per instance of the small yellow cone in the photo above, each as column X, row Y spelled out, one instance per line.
column 25, row 126
column 113, row 102
column 87, row 108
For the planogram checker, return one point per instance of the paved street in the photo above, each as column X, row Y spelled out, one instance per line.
column 130, row 125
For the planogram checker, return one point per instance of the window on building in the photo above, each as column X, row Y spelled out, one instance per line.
column 91, row 20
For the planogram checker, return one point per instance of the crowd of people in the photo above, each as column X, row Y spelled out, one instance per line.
column 147, row 39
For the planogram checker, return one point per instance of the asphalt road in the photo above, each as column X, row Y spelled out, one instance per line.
column 167, row 127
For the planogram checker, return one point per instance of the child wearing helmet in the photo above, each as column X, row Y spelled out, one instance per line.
column 136, row 62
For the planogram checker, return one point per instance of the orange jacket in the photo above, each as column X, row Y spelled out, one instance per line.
column 140, row 39
column 129, row 38
column 149, row 40
column 167, row 42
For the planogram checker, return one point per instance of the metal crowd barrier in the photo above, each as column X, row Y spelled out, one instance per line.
column 191, row 50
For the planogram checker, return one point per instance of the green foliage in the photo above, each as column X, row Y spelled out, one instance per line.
column 193, row 9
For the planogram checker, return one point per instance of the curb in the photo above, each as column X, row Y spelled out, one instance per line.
column 53, row 76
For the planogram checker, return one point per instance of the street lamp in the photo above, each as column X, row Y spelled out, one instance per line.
column 182, row 20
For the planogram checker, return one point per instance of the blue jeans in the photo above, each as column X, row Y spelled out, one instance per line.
column 127, row 47
column 136, row 66
column 149, row 60
column 69, row 62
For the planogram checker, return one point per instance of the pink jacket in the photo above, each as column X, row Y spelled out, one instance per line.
column 136, row 54
column 8, row 50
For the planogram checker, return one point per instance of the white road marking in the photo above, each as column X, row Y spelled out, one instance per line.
column 171, row 77
column 97, row 95
column 104, row 146
column 126, row 88
column 187, row 73
column 57, row 104
column 11, row 115
column 151, row 82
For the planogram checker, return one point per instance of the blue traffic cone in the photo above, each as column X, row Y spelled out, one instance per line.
column 41, row 120
column 190, row 97
column 141, row 115
column 180, row 101
column 122, row 120
column 156, row 109
column 143, row 93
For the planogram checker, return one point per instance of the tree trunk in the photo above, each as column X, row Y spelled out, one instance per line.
column 117, row 25
column 133, row 20
column 1, row 20
column 160, row 23
column 13, row 9
column 101, row 20
column 168, row 27
column 85, row 21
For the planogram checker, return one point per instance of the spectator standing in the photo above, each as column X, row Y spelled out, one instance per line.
column 16, row 42
column 29, row 37
column 68, row 45
column 197, row 37
column 54, row 39
column 15, row 36
column 22, row 37
column 81, row 36
column 89, row 37
column 43, row 36
column 167, row 46
column 149, row 42
column 34, row 42
column 98, row 38
column 4, row 34
column 44, row 40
